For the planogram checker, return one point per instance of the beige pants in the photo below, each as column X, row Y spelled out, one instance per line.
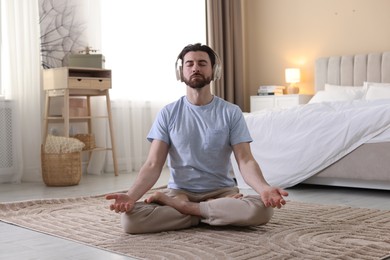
column 216, row 209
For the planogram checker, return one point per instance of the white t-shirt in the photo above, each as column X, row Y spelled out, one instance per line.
column 200, row 140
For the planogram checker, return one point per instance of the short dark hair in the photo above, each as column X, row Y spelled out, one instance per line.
column 198, row 47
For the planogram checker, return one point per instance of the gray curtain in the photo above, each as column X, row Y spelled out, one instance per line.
column 225, row 35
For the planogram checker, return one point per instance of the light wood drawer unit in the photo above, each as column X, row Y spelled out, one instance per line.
column 76, row 78
column 87, row 83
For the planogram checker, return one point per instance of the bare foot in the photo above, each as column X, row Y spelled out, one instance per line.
column 161, row 198
column 179, row 202
column 182, row 197
column 156, row 197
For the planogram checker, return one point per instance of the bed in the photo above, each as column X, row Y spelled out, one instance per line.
column 340, row 138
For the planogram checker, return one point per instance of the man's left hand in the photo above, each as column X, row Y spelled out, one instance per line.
column 273, row 197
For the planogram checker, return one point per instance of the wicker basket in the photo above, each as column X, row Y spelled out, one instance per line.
column 62, row 169
column 87, row 139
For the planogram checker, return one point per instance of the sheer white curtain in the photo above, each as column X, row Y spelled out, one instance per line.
column 141, row 41
column 20, row 84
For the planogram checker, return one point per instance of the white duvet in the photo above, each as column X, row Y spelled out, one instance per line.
column 293, row 144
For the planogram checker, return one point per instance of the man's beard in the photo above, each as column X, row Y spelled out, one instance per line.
column 197, row 82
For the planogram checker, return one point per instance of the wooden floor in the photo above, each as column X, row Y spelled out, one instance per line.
column 18, row 243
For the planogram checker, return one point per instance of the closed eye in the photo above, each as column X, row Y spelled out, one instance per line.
column 201, row 63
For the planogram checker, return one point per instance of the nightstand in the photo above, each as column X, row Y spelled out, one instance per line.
column 277, row 101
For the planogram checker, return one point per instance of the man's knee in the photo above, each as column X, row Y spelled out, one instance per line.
column 129, row 225
column 140, row 220
column 258, row 213
column 261, row 216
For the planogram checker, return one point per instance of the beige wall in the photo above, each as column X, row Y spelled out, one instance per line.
column 293, row 33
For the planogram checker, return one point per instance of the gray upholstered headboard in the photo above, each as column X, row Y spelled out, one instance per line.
column 352, row 70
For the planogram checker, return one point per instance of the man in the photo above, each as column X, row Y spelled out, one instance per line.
column 198, row 132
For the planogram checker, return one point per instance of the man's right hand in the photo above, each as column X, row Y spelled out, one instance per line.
column 122, row 203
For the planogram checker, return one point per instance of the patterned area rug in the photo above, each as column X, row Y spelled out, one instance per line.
column 298, row 231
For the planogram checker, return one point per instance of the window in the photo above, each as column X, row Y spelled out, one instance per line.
column 141, row 41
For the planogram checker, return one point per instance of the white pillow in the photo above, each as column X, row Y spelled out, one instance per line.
column 321, row 96
column 376, row 92
column 338, row 93
column 345, row 93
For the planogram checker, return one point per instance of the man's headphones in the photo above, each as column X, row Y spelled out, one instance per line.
column 217, row 68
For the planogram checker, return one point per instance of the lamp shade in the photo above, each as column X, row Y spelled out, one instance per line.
column 293, row 75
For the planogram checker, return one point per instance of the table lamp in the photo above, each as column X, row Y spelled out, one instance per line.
column 293, row 76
